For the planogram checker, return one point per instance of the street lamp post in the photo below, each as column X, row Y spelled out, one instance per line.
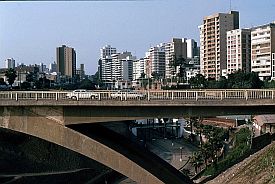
column 180, row 154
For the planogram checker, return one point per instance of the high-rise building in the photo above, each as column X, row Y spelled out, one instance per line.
column 138, row 68
column 156, row 61
column 175, row 49
column 105, row 62
column 105, row 69
column 238, row 50
column 80, row 72
column 107, row 51
column 66, row 61
column 53, row 67
column 213, row 42
column 43, row 68
column 122, row 66
column 10, row 63
column 263, row 50
column 113, row 66
column 147, row 64
column 192, row 48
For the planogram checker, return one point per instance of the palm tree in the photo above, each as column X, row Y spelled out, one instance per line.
column 199, row 128
column 196, row 160
column 206, row 150
column 192, row 120
column 11, row 75
column 178, row 62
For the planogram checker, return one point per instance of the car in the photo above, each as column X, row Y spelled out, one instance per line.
column 128, row 94
column 4, row 87
column 82, row 94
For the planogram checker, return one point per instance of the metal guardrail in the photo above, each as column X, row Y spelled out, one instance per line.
column 244, row 94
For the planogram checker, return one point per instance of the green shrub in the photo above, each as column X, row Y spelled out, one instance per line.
column 240, row 151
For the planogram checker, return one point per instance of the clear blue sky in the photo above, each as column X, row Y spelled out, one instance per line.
column 31, row 31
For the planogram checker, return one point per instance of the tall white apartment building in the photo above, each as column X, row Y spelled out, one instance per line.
column 107, row 51
column 105, row 63
column 10, row 63
column 53, row 67
column 105, row 69
column 127, row 68
column 263, row 50
column 238, row 50
column 156, row 61
column 192, row 48
column 138, row 68
column 147, row 64
column 122, row 66
column 175, row 49
column 213, row 42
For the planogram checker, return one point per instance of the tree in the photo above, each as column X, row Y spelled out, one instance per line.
column 198, row 81
column 25, row 85
column 96, row 79
column 87, row 84
column 222, row 83
column 215, row 137
column 156, row 75
column 31, row 77
column 11, row 75
column 44, row 82
column 2, row 82
column 197, row 122
column 186, row 172
column 243, row 80
column 178, row 62
column 142, row 75
column 196, row 160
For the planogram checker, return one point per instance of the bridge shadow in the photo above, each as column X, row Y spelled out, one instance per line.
column 138, row 154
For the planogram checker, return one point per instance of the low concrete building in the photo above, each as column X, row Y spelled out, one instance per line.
column 264, row 123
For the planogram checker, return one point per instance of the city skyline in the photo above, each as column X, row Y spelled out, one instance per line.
column 128, row 26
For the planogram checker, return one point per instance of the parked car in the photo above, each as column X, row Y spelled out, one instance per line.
column 4, row 87
column 128, row 94
column 82, row 94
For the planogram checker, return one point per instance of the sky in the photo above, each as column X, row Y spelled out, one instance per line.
column 31, row 31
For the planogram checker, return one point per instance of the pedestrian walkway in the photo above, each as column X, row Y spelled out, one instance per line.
column 174, row 151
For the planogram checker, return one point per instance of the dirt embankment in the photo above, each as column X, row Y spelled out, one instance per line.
column 257, row 169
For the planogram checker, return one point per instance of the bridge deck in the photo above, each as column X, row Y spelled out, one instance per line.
column 245, row 97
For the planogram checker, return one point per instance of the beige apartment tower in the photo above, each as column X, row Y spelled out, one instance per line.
column 238, row 50
column 213, row 47
column 175, row 49
column 263, row 51
column 66, row 61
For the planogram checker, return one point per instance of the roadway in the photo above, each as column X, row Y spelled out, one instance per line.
column 159, row 104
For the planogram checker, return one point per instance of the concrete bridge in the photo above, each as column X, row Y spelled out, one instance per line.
column 50, row 115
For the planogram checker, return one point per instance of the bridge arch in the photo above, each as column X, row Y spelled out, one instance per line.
column 23, row 120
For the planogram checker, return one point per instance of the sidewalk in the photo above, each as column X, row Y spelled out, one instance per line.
column 176, row 151
column 169, row 150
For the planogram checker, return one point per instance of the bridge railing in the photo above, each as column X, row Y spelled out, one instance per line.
column 32, row 95
column 145, row 95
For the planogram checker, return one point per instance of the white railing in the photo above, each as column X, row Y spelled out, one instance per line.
column 176, row 95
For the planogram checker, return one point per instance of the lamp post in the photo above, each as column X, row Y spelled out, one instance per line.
column 180, row 154
column 148, row 83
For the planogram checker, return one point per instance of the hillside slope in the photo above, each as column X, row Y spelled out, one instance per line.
column 257, row 169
